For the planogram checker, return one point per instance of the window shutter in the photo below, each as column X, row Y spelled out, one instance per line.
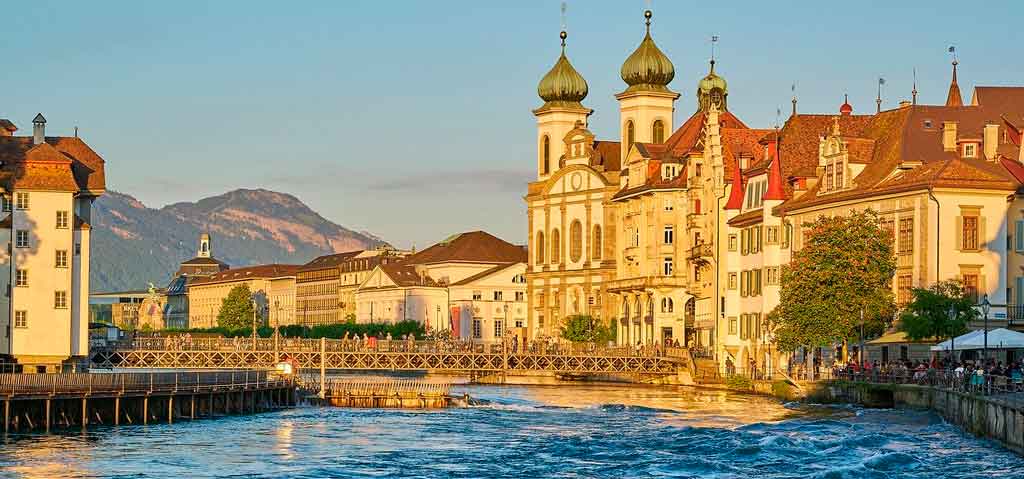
column 1020, row 290
column 1019, row 236
column 959, row 233
column 982, row 237
column 743, row 242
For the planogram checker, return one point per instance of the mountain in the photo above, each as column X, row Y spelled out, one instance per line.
column 133, row 244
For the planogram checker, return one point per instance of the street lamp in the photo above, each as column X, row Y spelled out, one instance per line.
column 985, row 306
column 952, row 336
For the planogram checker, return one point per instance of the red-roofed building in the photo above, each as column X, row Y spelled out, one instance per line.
column 48, row 187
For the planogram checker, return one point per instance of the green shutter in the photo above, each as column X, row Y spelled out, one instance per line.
column 1020, row 290
column 1019, row 236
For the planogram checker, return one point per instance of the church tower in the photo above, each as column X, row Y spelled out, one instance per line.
column 714, row 89
column 205, row 246
column 647, row 105
column 562, row 90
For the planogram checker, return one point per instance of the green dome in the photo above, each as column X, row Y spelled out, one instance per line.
column 647, row 68
column 562, row 85
column 712, row 81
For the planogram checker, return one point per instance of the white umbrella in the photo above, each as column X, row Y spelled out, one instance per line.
column 1000, row 338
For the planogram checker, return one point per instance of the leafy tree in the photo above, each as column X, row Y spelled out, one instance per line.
column 846, row 265
column 236, row 311
column 583, row 328
column 927, row 315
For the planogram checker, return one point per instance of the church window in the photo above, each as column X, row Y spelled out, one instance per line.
column 828, row 178
column 539, row 244
column 630, row 135
column 658, row 132
column 839, row 175
column 545, row 155
column 575, row 241
column 556, row 249
column 596, row 246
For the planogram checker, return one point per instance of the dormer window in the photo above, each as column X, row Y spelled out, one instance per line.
column 669, row 172
column 970, row 150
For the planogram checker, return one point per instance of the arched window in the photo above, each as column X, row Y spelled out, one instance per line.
column 630, row 135
column 575, row 241
column 625, row 308
column 658, row 132
column 595, row 247
column 539, row 245
column 545, row 155
column 556, row 247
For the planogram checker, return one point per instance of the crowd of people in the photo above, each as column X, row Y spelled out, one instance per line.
column 968, row 375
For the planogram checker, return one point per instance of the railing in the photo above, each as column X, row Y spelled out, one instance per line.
column 1015, row 314
column 704, row 250
column 967, row 381
column 121, row 383
column 380, row 386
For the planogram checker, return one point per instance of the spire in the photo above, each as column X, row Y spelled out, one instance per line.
column 775, row 190
column 793, row 89
column 878, row 100
column 953, row 99
column 913, row 93
column 846, row 108
column 736, row 192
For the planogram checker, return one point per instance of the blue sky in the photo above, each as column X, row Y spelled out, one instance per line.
column 412, row 119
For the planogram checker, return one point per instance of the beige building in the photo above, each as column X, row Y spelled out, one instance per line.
column 204, row 264
column 472, row 284
column 49, row 184
column 275, row 281
column 326, row 286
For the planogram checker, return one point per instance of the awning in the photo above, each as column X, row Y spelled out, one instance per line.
column 1000, row 338
column 899, row 337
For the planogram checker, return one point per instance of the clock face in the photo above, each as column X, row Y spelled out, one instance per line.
column 577, row 181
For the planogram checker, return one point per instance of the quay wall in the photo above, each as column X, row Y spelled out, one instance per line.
column 984, row 416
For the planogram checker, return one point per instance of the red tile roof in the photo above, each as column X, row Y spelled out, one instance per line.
column 329, row 260
column 470, row 247
column 405, row 275
column 70, row 165
column 265, row 271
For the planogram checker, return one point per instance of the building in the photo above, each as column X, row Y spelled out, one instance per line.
column 326, row 286
column 204, row 264
column 49, row 184
column 472, row 284
column 276, row 282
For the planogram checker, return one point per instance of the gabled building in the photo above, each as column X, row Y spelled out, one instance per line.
column 48, row 186
column 274, row 282
column 326, row 286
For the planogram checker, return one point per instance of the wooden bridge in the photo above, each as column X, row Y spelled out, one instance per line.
column 356, row 355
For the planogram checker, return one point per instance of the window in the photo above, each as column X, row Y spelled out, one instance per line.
column 556, row 247
column 732, row 242
column 539, row 245
column 906, row 240
column 970, row 150
column 668, row 234
column 732, row 325
column 658, row 132
column 575, row 241
column 21, row 277
column 732, row 280
column 21, row 201
column 21, row 319
column 520, row 296
column 21, row 238
column 78, row 249
column 773, row 235
column 630, row 135
column 828, row 177
column 477, row 329
column 668, row 204
column 667, row 266
column 970, row 282
column 499, row 327
column 545, row 155
column 60, row 299
column 497, row 296
column 595, row 248
column 697, row 170
column 62, row 219
column 903, row 285
column 772, row 275
column 969, row 233
column 6, row 202
column 61, row 258
column 477, row 296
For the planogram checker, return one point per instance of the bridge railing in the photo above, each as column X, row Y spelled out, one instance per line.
column 100, row 383
column 296, row 345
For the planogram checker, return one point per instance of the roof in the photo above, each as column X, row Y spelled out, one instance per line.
column 329, row 260
column 751, row 217
column 897, row 337
column 470, row 247
column 265, row 271
column 405, row 275
column 7, row 125
column 484, row 274
column 607, row 154
column 58, row 164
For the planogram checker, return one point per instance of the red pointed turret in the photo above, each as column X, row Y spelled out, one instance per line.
column 846, row 108
column 775, row 190
column 953, row 99
column 736, row 192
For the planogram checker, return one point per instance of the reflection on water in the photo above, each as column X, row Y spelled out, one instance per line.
column 535, row 431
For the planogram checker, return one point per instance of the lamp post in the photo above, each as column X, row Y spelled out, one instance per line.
column 860, row 349
column 985, row 306
column 952, row 336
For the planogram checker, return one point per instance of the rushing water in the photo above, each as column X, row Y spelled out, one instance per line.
column 535, row 431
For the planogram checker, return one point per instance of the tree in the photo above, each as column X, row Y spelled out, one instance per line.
column 236, row 309
column 927, row 315
column 846, row 266
column 583, row 328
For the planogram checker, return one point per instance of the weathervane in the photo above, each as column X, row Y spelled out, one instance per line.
column 878, row 100
column 714, row 40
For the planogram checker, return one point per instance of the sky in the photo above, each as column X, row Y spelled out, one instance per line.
column 412, row 119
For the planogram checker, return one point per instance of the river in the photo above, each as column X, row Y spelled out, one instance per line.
column 530, row 431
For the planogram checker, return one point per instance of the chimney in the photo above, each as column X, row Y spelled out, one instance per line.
column 991, row 140
column 949, row 135
column 38, row 129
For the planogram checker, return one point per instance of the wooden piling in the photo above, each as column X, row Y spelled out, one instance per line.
column 145, row 410
column 117, row 410
column 170, row 409
column 192, row 411
column 47, row 415
column 85, row 412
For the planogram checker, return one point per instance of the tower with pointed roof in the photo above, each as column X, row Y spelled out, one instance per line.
column 953, row 98
column 713, row 89
column 562, row 89
column 647, row 106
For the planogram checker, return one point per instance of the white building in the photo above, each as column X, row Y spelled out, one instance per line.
column 49, row 184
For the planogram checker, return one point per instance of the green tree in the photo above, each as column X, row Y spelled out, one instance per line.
column 846, row 266
column 927, row 315
column 236, row 311
column 583, row 328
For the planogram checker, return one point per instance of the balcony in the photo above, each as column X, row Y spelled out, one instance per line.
column 703, row 250
column 694, row 220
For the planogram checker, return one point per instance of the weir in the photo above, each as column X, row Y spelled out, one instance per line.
column 43, row 402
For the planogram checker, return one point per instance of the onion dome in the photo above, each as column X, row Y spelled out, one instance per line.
column 562, row 85
column 846, row 108
column 647, row 68
column 712, row 81
column 712, row 89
